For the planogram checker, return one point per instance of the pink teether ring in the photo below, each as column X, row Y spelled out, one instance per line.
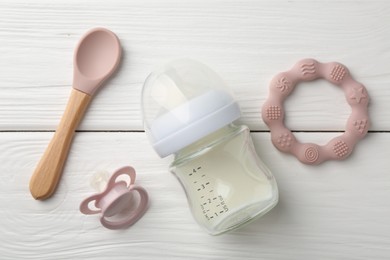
column 116, row 199
column 307, row 70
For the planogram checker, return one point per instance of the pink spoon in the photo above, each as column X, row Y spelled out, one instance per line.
column 96, row 57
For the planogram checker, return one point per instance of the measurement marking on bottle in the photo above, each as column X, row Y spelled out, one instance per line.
column 212, row 205
column 194, row 171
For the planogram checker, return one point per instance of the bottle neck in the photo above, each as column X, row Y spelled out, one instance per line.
column 207, row 142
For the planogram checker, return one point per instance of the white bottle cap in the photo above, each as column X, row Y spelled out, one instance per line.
column 183, row 102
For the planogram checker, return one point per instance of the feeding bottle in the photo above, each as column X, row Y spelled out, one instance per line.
column 189, row 112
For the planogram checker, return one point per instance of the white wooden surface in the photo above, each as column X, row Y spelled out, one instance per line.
column 338, row 210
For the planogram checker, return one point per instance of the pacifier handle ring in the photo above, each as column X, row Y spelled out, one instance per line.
column 126, row 170
column 134, row 216
column 84, row 206
column 339, row 147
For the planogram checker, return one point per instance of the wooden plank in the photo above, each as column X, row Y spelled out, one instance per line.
column 338, row 210
column 246, row 42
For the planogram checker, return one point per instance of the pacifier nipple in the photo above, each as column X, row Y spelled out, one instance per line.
column 99, row 180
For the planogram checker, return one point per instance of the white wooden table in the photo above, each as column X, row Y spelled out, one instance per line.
column 338, row 210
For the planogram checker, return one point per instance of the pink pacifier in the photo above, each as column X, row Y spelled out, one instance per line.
column 117, row 202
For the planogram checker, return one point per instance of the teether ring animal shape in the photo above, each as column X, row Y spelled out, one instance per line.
column 307, row 70
column 115, row 199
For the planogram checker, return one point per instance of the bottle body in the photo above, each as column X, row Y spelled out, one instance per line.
column 225, row 181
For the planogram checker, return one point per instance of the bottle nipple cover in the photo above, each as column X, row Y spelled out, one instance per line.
column 339, row 147
column 116, row 203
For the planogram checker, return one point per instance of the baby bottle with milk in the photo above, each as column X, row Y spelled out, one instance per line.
column 189, row 112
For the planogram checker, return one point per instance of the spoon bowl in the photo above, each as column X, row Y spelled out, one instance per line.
column 96, row 57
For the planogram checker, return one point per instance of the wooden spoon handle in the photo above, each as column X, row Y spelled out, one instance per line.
column 48, row 172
